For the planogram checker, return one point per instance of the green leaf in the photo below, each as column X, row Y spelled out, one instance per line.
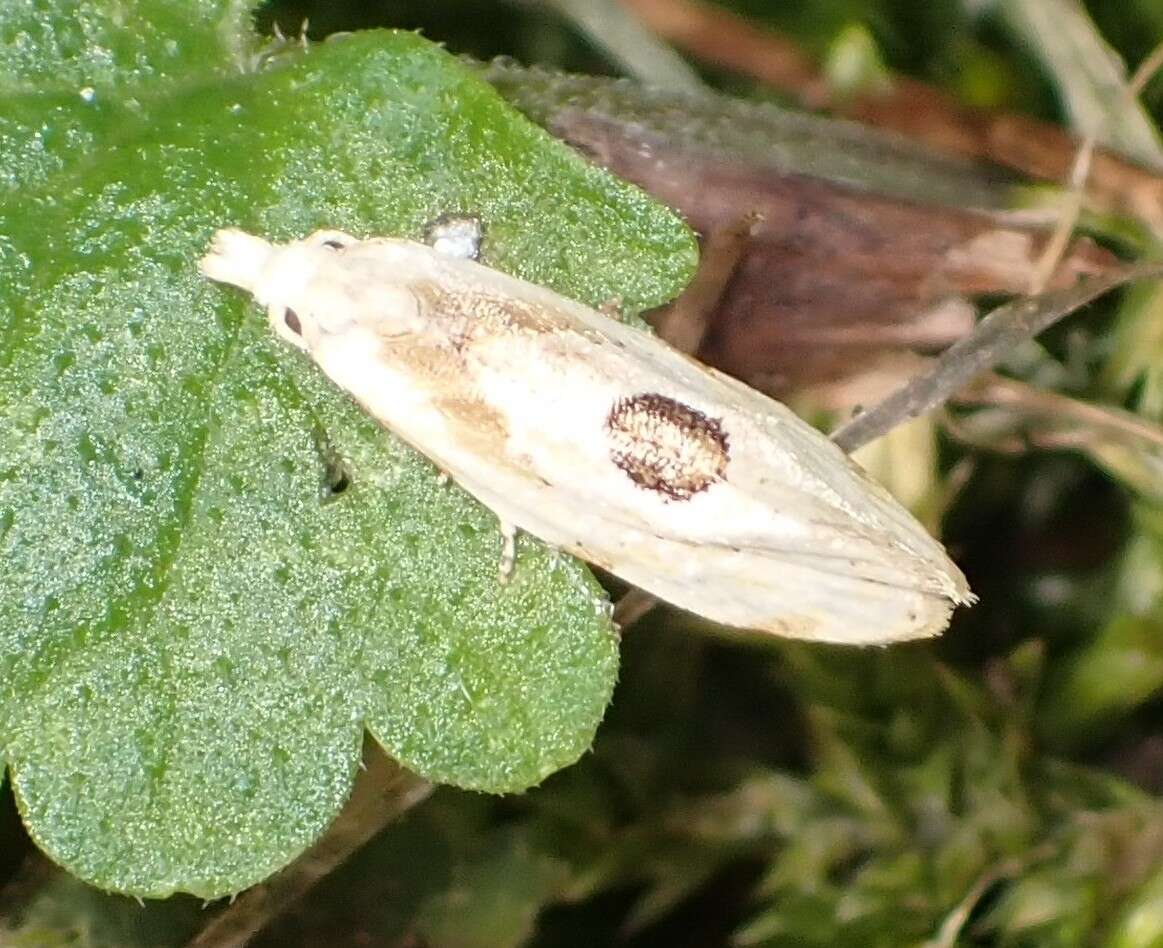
column 195, row 621
column 95, row 43
column 1140, row 924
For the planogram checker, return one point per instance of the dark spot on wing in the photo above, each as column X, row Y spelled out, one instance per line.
column 665, row 446
column 291, row 318
column 466, row 315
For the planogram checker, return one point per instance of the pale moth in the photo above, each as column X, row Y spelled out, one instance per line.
column 603, row 441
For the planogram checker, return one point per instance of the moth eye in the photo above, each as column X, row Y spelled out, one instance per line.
column 333, row 244
column 291, row 320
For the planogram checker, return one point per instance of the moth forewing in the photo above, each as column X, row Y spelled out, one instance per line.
column 603, row 441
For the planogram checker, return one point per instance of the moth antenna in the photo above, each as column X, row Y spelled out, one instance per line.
column 236, row 257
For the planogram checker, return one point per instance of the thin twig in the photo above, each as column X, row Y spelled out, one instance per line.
column 1069, row 212
column 621, row 36
column 382, row 792
column 1080, row 170
column 685, row 322
column 950, row 930
column 634, row 604
column 992, row 340
column 715, row 35
column 1019, row 396
column 1039, row 149
column 963, row 432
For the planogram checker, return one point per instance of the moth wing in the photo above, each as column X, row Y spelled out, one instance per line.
column 859, row 568
column 511, row 389
column 794, row 539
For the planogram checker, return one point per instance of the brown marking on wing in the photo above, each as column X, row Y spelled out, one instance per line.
column 481, row 420
column 463, row 316
column 426, row 357
column 665, row 446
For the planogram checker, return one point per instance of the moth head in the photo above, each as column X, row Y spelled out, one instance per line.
column 286, row 274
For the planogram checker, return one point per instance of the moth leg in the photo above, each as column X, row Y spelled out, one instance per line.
column 508, row 551
column 612, row 308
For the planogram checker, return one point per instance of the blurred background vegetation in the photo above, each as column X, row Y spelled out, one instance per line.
column 1000, row 786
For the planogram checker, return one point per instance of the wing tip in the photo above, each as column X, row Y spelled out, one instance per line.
column 926, row 617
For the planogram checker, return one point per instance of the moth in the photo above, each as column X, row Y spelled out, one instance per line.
column 601, row 440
